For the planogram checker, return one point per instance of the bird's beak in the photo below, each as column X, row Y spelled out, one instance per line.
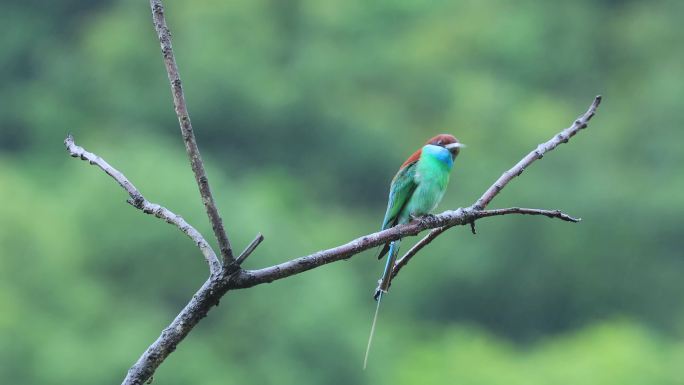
column 452, row 146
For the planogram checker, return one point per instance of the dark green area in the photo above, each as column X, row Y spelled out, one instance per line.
column 304, row 110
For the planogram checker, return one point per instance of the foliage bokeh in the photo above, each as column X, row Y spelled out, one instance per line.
column 303, row 110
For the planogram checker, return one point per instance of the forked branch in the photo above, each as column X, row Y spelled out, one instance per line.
column 229, row 275
column 230, row 279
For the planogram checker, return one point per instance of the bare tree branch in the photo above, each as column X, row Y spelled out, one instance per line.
column 517, row 210
column 450, row 218
column 404, row 260
column 206, row 297
column 138, row 201
column 188, row 134
column 249, row 249
column 562, row 137
column 229, row 275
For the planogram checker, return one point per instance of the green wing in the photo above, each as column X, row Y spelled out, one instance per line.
column 401, row 189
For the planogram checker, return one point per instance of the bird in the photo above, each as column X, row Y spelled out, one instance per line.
column 415, row 191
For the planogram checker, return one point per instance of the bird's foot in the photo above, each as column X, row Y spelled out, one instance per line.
column 428, row 216
column 425, row 217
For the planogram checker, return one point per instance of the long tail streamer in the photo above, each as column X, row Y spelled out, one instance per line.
column 372, row 331
column 383, row 286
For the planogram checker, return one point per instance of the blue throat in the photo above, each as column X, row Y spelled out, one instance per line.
column 439, row 153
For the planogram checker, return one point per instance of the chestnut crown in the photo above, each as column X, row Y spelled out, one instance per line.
column 447, row 141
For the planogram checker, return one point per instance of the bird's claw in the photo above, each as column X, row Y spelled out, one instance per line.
column 428, row 217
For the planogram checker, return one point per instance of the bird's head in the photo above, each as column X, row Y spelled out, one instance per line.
column 447, row 141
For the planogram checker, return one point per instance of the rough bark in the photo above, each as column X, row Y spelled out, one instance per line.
column 188, row 134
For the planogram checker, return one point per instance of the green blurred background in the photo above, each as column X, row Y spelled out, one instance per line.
column 304, row 110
